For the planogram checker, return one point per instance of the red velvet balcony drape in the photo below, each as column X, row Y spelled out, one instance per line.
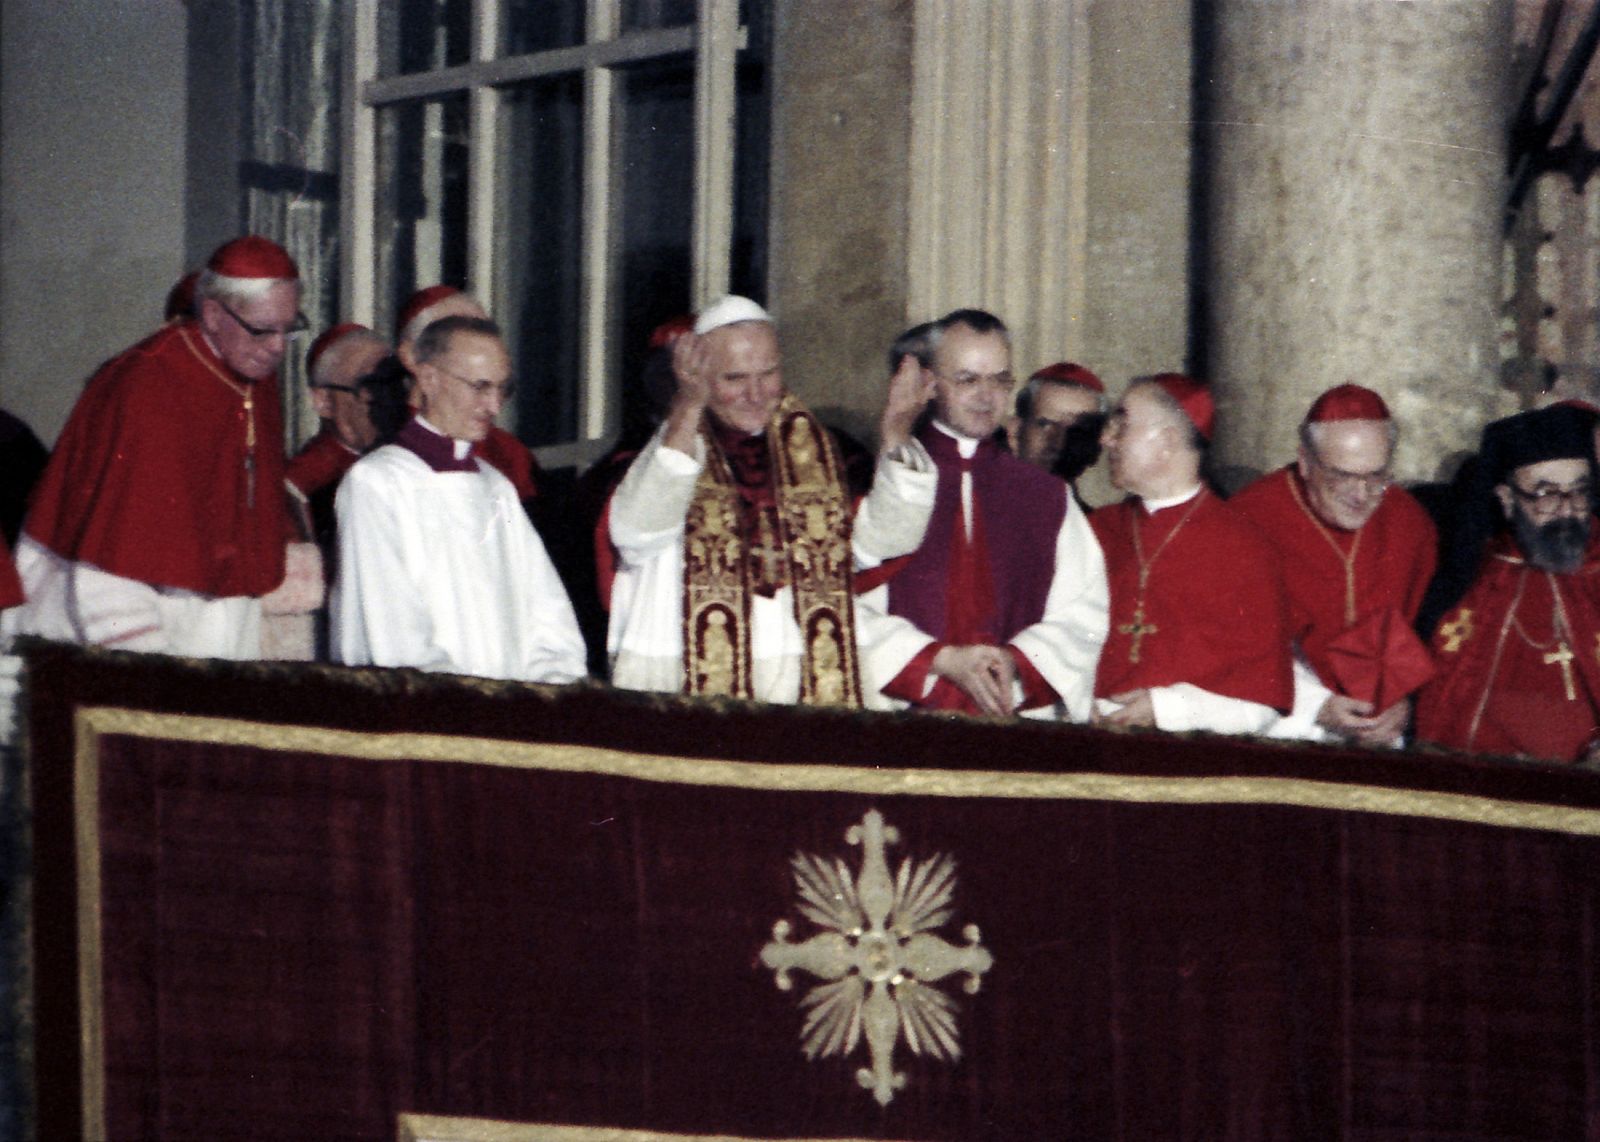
column 276, row 904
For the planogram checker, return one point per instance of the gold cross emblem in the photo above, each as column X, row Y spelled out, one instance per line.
column 1562, row 656
column 768, row 554
column 877, row 955
column 1457, row 632
column 1138, row 628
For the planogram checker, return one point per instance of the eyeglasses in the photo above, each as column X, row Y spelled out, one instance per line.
column 1370, row 483
column 480, row 388
column 999, row 380
column 300, row 324
column 1546, row 498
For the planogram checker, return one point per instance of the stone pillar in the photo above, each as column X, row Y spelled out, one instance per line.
column 841, row 139
column 1354, row 158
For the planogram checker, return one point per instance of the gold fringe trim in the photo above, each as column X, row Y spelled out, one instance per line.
column 91, row 1012
column 443, row 1128
column 92, row 722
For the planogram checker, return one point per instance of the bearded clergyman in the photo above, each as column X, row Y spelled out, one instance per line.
column 1519, row 655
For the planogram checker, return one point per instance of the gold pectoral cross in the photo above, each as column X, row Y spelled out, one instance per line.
column 1457, row 632
column 1562, row 656
column 1138, row 628
column 768, row 552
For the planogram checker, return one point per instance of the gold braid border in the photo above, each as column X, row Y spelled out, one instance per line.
column 93, row 723
column 443, row 1128
column 814, row 518
column 814, row 512
column 716, row 586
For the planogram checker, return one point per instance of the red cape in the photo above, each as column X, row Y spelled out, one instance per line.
column 1395, row 554
column 513, row 460
column 1495, row 691
column 149, row 478
column 1214, row 597
column 322, row 462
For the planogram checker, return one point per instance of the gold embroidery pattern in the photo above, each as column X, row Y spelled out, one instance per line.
column 813, row 545
column 814, row 512
column 878, row 955
column 1457, row 632
column 716, row 596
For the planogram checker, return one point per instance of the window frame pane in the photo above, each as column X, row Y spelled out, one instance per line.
column 714, row 41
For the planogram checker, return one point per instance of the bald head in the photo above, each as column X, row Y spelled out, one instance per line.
column 1152, row 447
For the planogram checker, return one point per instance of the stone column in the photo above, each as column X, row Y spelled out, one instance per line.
column 1353, row 155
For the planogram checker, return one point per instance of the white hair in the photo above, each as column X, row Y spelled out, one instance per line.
column 1312, row 432
column 425, row 317
column 235, row 291
column 331, row 362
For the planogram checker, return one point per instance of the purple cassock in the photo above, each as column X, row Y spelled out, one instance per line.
column 436, row 450
column 1019, row 511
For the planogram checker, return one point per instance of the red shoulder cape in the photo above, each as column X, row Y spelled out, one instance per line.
column 1214, row 598
column 1395, row 554
column 1495, row 692
column 149, row 479
column 323, row 461
column 513, row 460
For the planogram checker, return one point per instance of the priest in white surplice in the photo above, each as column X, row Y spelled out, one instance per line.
column 439, row 567
column 733, row 530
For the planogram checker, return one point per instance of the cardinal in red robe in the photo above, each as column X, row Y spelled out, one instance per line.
column 336, row 364
column 1199, row 620
column 1356, row 553
column 161, row 517
column 1519, row 655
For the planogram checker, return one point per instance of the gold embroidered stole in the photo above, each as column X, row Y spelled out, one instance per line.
column 814, row 524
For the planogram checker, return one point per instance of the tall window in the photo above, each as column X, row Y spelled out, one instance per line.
column 288, row 172
column 588, row 168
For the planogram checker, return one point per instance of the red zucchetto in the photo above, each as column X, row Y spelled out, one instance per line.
column 253, row 257
column 665, row 335
column 1068, row 373
column 1193, row 396
column 1347, row 402
column 327, row 340
column 423, row 299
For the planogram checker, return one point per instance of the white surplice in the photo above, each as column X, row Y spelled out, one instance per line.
column 443, row 571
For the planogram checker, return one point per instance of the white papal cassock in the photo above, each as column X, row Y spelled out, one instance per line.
column 441, row 570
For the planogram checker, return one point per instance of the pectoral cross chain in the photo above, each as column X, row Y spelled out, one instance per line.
column 250, row 448
column 1562, row 656
column 1138, row 628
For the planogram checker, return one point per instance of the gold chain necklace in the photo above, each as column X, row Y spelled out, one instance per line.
column 1138, row 628
column 1349, row 560
column 1558, row 651
column 247, row 393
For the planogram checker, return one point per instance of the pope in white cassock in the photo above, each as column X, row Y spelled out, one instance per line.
column 735, row 533
column 439, row 567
